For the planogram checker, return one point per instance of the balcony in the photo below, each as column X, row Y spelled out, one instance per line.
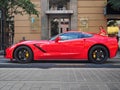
column 49, row 12
column 59, row 7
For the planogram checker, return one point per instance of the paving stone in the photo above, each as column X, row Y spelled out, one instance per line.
column 60, row 79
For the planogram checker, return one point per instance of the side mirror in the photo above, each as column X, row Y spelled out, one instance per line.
column 57, row 39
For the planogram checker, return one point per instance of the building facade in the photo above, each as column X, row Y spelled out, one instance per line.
column 54, row 18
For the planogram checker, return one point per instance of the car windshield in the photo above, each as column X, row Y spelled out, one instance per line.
column 54, row 37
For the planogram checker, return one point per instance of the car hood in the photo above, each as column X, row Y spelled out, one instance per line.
column 34, row 42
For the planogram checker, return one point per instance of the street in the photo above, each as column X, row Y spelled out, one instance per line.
column 57, row 75
column 111, row 63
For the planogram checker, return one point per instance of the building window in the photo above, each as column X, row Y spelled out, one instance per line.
column 59, row 4
column 110, row 10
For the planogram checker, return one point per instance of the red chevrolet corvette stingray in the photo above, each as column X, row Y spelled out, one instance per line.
column 66, row 46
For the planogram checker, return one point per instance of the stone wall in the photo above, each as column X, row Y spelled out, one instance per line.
column 88, row 16
column 91, row 15
column 25, row 27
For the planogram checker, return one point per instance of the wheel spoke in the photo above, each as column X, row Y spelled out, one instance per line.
column 98, row 54
column 23, row 54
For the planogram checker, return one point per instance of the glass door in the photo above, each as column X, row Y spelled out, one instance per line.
column 59, row 25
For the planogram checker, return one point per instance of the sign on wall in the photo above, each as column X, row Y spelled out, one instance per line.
column 35, row 23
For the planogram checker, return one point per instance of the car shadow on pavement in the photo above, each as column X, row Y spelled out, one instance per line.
column 112, row 63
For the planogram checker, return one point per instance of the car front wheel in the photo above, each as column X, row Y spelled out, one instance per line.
column 98, row 54
column 23, row 54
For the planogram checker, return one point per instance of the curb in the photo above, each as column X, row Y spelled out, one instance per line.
column 2, row 52
column 1, row 56
column 117, row 55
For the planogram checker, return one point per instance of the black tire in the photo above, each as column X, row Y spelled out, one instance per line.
column 23, row 54
column 98, row 54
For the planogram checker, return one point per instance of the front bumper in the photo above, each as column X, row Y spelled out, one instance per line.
column 8, row 53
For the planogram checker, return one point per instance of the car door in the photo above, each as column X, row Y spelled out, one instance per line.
column 70, row 45
column 73, row 48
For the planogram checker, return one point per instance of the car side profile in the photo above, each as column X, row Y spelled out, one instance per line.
column 66, row 46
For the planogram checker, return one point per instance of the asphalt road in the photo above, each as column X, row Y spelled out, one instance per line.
column 111, row 63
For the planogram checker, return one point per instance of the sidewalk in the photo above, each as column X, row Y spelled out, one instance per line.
column 118, row 55
column 60, row 79
column 1, row 52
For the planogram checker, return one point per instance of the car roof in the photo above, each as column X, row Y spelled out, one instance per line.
column 75, row 31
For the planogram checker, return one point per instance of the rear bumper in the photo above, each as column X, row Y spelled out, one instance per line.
column 113, row 52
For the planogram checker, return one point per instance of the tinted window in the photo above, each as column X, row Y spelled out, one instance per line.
column 71, row 35
column 53, row 38
column 68, row 36
column 86, row 35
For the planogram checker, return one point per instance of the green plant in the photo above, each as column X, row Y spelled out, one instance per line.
column 12, row 7
column 115, row 4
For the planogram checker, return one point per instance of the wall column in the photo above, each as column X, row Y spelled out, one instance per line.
column 44, row 19
column 74, row 16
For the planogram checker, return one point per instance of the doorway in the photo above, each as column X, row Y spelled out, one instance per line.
column 58, row 25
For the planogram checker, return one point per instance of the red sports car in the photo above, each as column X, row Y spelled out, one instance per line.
column 66, row 46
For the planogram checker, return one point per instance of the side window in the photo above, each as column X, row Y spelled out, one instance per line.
column 69, row 36
column 86, row 35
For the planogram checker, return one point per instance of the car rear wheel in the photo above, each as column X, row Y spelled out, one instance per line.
column 98, row 54
column 23, row 54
